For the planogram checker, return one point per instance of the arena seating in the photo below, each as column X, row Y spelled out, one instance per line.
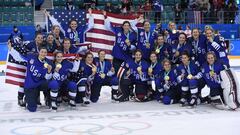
column 15, row 12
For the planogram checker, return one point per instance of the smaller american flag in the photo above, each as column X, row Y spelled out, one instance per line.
column 15, row 73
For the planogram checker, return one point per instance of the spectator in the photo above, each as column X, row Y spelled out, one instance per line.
column 188, row 31
column 70, row 5
column 147, row 8
column 177, row 10
column 158, row 8
column 38, row 4
column 126, row 6
column 203, row 5
column 109, row 8
column 192, row 4
column 179, row 29
column 90, row 4
column 231, row 11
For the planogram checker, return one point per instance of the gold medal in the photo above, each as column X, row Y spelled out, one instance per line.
column 166, row 78
column 211, row 73
column 59, row 66
column 127, row 40
column 158, row 51
column 45, row 65
column 139, row 69
column 102, row 75
column 147, row 45
column 174, row 31
column 94, row 69
column 189, row 76
column 150, row 70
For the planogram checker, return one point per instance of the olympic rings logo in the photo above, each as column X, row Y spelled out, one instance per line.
column 120, row 128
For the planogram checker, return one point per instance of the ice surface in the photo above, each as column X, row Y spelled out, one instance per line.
column 106, row 118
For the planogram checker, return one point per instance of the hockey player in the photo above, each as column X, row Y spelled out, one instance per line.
column 135, row 74
column 188, row 75
column 50, row 43
column 16, row 36
column 153, row 71
column 60, row 82
column 155, row 66
column 162, row 49
column 125, row 42
column 33, row 46
column 211, row 73
column 173, row 34
column 74, row 32
column 167, row 90
column 146, row 38
column 58, row 36
column 105, row 76
column 215, row 44
column 84, row 79
column 39, row 70
column 68, row 48
column 199, row 46
column 179, row 47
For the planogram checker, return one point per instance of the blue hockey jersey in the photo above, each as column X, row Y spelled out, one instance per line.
column 191, row 69
column 211, row 74
column 219, row 49
column 164, row 52
column 16, row 37
column 199, row 48
column 133, row 67
column 77, row 36
column 103, row 67
column 67, row 66
column 36, row 73
column 120, row 49
column 181, row 48
column 167, row 78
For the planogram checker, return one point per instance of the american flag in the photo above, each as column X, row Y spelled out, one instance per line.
column 99, row 37
column 15, row 72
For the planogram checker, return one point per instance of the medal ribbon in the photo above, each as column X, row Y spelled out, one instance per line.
column 147, row 36
column 102, row 66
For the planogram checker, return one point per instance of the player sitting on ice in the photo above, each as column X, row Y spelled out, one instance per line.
column 60, row 82
column 84, row 79
column 167, row 86
column 188, row 75
column 105, row 76
column 39, row 71
column 154, row 69
column 135, row 74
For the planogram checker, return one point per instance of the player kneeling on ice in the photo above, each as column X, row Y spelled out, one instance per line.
column 166, row 83
column 84, row 79
column 39, row 71
column 60, row 82
column 105, row 76
column 219, row 80
column 188, row 75
column 135, row 73
column 153, row 71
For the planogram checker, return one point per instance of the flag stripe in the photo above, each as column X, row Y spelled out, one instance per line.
column 14, row 82
column 15, row 75
column 16, row 68
column 98, row 36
